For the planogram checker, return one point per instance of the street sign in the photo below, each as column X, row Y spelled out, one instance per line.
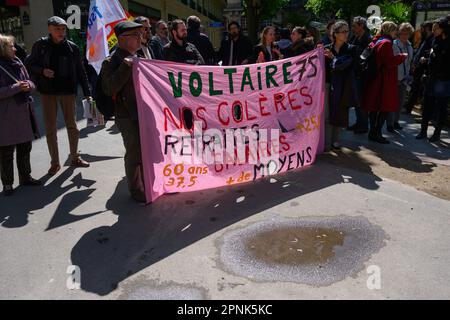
column 216, row 24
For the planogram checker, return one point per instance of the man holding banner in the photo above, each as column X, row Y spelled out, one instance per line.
column 204, row 127
column 117, row 82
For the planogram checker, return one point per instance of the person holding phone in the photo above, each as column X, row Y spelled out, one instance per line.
column 266, row 50
column 380, row 95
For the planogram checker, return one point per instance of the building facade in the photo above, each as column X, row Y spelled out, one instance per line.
column 234, row 12
column 27, row 19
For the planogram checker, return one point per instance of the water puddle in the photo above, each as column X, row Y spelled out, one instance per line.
column 316, row 251
column 295, row 245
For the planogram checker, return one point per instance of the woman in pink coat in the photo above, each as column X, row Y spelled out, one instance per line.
column 381, row 94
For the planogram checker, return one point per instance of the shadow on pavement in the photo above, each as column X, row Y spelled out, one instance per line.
column 26, row 200
column 404, row 151
column 86, row 131
column 400, row 158
column 144, row 235
column 113, row 129
column 15, row 210
column 91, row 159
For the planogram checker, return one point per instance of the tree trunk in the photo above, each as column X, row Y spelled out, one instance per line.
column 252, row 22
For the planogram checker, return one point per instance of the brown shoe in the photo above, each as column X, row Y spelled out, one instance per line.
column 54, row 169
column 80, row 163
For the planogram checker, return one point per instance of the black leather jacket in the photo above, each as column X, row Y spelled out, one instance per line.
column 39, row 59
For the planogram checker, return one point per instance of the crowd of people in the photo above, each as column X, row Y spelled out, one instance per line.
column 374, row 74
column 370, row 73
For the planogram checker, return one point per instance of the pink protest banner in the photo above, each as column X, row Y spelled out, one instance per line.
column 185, row 110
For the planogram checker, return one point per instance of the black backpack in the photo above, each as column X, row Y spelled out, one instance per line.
column 105, row 104
column 367, row 68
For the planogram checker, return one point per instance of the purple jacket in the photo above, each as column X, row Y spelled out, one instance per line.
column 17, row 119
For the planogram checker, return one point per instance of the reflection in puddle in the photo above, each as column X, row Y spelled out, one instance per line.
column 316, row 251
column 295, row 245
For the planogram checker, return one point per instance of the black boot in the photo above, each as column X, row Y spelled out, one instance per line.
column 423, row 133
column 436, row 135
column 391, row 129
column 376, row 122
column 372, row 122
column 397, row 126
column 408, row 109
column 8, row 190
column 381, row 120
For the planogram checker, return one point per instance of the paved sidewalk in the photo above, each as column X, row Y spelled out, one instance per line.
column 174, row 247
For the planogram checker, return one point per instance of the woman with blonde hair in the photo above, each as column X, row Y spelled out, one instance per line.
column 266, row 50
column 381, row 92
column 402, row 45
column 17, row 122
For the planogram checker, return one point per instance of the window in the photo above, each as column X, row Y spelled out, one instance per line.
column 172, row 17
column 137, row 9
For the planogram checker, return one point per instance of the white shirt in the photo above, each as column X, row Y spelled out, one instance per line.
column 146, row 52
column 269, row 49
column 230, row 60
column 400, row 47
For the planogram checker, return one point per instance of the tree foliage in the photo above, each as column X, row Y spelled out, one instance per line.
column 296, row 18
column 266, row 8
column 258, row 10
column 395, row 11
column 343, row 9
column 398, row 11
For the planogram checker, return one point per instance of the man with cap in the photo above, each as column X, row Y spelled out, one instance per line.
column 55, row 64
column 117, row 82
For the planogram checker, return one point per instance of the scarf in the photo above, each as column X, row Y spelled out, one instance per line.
column 14, row 67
